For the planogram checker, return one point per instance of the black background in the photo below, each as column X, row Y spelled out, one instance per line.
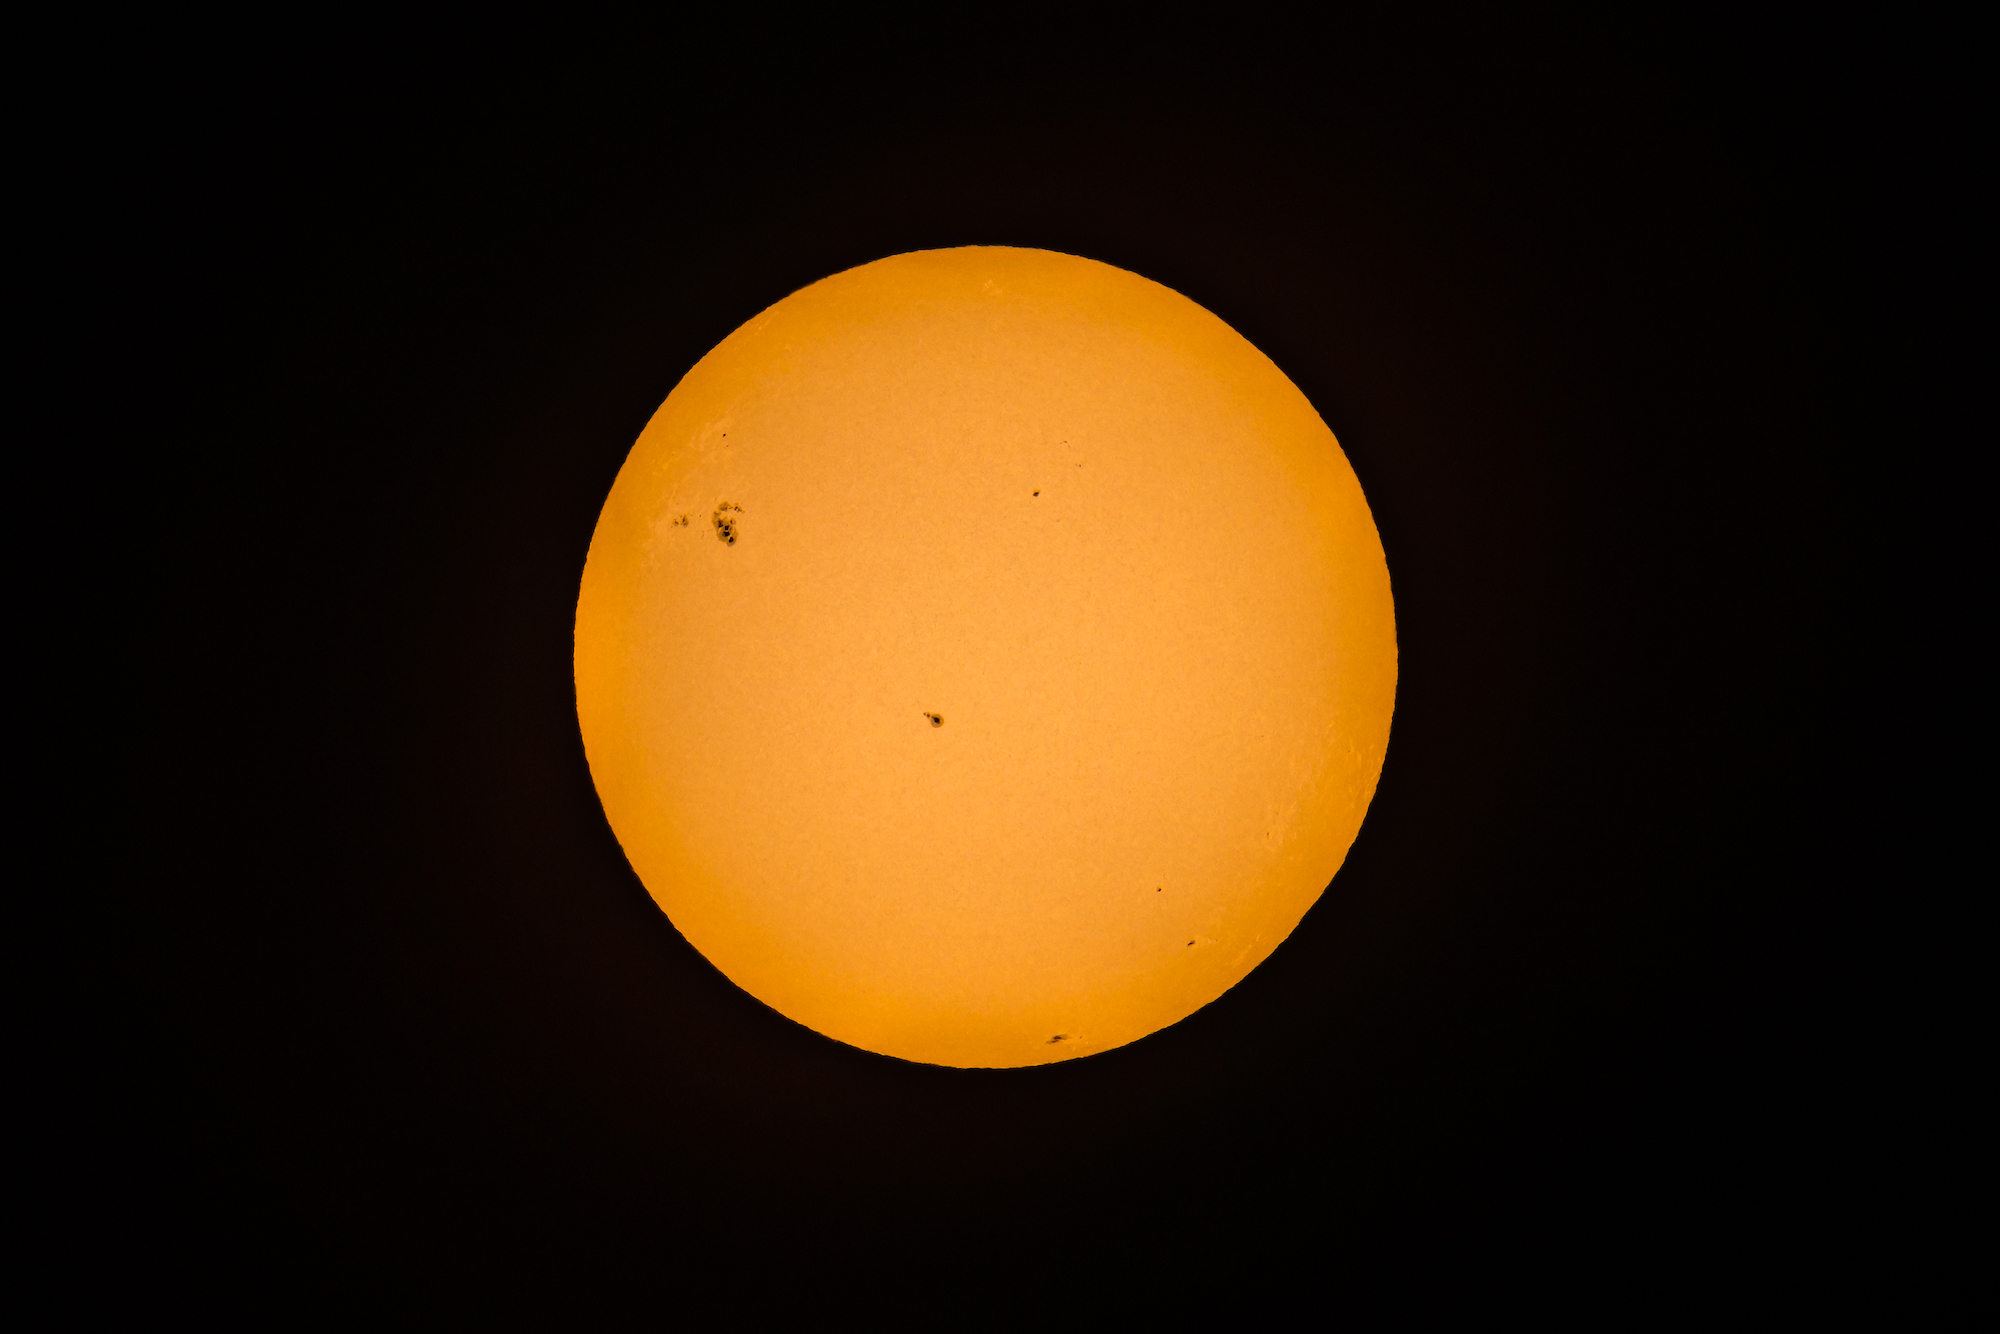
column 1536, row 288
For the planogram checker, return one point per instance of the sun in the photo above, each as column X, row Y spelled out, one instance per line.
column 985, row 656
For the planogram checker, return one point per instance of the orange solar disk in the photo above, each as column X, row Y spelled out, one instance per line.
column 985, row 656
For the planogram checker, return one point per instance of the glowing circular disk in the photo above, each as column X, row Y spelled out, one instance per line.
column 985, row 656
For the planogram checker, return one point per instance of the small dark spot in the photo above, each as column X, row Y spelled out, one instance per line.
column 1190, row 942
column 1159, row 889
column 1038, row 493
column 937, row 719
column 1060, row 1037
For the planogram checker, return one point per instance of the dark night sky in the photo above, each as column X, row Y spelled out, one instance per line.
column 1532, row 287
